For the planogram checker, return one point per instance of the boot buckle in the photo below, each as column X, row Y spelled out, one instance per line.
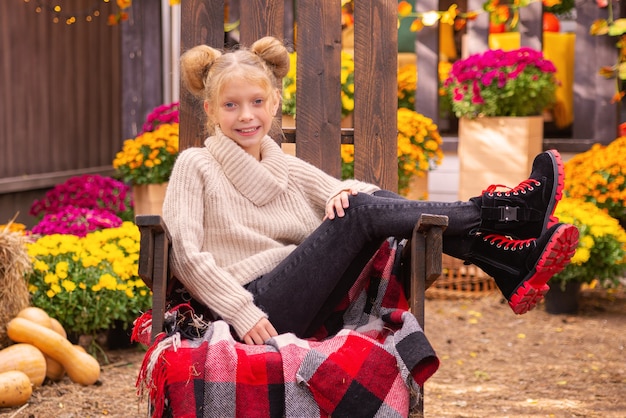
column 508, row 213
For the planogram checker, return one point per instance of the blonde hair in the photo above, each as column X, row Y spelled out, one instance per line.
column 205, row 70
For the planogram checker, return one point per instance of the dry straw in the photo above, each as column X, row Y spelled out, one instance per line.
column 14, row 265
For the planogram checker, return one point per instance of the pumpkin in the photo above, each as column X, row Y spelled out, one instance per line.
column 54, row 369
column 26, row 358
column 551, row 23
column 496, row 27
column 15, row 389
column 80, row 367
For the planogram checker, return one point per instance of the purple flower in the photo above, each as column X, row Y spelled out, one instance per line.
column 76, row 221
column 501, row 83
column 167, row 113
column 87, row 191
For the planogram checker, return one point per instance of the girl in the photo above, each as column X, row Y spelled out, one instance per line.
column 271, row 244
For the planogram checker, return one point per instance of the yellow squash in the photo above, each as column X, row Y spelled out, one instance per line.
column 54, row 369
column 80, row 367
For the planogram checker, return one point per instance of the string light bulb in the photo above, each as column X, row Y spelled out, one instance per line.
column 70, row 17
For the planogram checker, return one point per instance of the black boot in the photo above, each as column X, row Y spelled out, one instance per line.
column 522, row 268
column 526, row 210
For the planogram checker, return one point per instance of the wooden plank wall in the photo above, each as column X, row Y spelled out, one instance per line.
column 65, row 108
column 58, row 111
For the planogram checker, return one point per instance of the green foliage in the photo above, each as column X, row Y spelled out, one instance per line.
column 88, row 283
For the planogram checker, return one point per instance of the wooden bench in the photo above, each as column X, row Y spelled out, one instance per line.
column 421, row 266
column 318, row 132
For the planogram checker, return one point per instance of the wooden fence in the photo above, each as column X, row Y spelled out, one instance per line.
column 73, row 93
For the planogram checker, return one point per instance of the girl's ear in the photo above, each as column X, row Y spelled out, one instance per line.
column 276, row 101
column 207, row 109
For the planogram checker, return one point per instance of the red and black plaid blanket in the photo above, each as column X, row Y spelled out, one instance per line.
column 370, row 368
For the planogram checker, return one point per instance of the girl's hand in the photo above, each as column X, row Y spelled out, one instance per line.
column 261, row 332
column 338, row 203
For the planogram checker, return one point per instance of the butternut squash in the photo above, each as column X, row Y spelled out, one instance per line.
column 80, row 367
column 15, row 389
column 37, row 315
column 57, row 327
column 54, row 370
column 26, row 358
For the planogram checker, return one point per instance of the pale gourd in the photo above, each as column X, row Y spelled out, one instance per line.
column 80, row 367
column 54, row 369
column 25, row 358
column 15, row 389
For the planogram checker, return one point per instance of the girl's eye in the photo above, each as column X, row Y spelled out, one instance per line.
column 258, row 102
column 229, row 105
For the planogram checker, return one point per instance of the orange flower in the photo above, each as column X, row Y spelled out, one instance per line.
column 416, row 26
column 404, row 8
column 449, row 15
column 124, row 4
column 617, row 97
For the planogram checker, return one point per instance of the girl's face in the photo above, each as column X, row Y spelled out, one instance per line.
column 244, row 113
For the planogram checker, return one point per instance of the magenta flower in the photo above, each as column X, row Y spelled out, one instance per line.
column 76, row 221
column 167, row 113
column 87, row 191
column 502, row 83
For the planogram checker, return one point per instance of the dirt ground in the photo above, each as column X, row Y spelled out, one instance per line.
column 493, row 364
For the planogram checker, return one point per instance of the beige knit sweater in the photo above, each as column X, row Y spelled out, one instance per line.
column 233, row 218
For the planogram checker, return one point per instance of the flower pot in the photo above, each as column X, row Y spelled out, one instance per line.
column 418, row 188
column 148, row 198
column 496, row 150
column 563, row 301
column 288, row 121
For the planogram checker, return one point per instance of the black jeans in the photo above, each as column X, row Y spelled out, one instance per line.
column 304, row 289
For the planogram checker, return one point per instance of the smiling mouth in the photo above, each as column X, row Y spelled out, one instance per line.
column 248, row 130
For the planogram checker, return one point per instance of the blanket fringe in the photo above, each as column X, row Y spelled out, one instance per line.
column 151, row 375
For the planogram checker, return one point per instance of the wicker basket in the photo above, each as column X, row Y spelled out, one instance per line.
column 460, row 281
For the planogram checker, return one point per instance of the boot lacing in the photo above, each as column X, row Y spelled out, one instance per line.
column 507, row 243
column 527, row 185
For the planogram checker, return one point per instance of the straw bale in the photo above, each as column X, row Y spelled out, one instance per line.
column 14, row 266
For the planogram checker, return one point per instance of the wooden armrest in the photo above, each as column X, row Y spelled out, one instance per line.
column 426, row 252
column 154, row 250
column 154, row 234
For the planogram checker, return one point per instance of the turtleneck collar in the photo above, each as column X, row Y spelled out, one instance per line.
column 259, row 181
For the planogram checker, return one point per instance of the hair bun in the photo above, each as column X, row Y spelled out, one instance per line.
column 274, row 53
column 195, row 64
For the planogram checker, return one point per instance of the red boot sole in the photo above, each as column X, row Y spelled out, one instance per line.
column 552, row 220
column 555, row 257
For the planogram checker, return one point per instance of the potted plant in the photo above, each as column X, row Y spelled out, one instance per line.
column 88, row 283
column 600, row 259
column 146, row 161
column 82, row 204
column 499, row 97
column 501, row 83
